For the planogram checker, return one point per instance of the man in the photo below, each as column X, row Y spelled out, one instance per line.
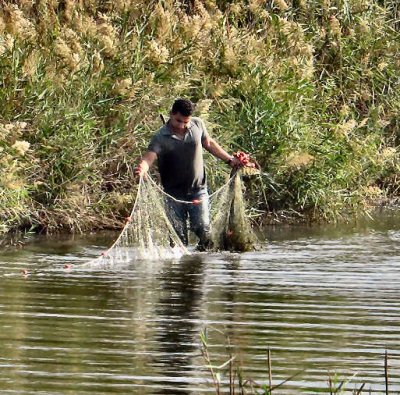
column 178, row 148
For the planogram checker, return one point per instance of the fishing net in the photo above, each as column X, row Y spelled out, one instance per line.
column 149, row 235
column 231, row 229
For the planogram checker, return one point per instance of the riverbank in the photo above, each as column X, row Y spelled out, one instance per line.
column 310, row 90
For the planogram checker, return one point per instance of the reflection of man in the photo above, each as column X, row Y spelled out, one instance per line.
column 177, row 314
column 178, row 148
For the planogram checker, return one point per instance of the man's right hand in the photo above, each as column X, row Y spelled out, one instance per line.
column 142, row 168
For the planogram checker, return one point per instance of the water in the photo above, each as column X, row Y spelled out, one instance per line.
column 325, row 300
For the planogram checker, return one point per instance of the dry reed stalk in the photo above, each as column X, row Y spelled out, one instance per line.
column 270, row 371
column 386, row 373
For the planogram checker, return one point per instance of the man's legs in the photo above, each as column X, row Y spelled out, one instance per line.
column 178, row 214
column 199, row 215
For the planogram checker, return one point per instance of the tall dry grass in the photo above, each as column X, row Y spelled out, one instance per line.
column 311, row 89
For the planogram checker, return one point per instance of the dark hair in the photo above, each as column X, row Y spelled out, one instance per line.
column 183, row 106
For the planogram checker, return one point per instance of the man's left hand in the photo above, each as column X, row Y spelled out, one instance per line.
column 235, row 163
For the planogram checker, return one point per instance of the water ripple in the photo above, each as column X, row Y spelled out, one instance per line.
column 323, row 305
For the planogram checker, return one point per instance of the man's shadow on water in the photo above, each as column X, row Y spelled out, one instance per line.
column 178, row 309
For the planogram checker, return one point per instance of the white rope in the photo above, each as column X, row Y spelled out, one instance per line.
column 223, row 186
column 188, row 201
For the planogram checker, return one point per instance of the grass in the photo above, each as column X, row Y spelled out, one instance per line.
column 311, row 89
column 230, row 377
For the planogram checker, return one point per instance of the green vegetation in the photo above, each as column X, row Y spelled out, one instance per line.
column 310, row 88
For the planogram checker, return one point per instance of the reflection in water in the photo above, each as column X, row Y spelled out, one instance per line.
column 322, row 301
column 177, row 311
column 230, row 296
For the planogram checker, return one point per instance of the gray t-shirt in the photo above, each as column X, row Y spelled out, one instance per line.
column 180, row 162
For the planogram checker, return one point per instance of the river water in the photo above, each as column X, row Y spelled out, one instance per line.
column 325, row 300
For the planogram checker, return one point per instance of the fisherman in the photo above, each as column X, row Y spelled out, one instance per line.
column 178, row 148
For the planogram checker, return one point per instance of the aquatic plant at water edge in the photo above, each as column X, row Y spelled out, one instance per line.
column 229, row 377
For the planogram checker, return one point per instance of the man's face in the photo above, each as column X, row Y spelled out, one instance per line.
column 179, row 122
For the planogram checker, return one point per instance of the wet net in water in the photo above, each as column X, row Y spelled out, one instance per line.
column 231, row 229
column 149, row 235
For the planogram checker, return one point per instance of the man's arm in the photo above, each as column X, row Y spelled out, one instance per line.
column 144, row 165
column 215, row 149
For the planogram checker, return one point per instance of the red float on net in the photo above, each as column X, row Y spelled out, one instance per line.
column 244, row 158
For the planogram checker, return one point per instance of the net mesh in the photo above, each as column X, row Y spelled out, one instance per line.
column 149, row 235
column 231, row 229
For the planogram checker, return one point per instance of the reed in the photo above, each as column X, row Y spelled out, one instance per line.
column 311, row 89
column 229, row 377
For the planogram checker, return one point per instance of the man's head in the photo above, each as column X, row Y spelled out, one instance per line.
column 181, row 113
column 183, row 106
